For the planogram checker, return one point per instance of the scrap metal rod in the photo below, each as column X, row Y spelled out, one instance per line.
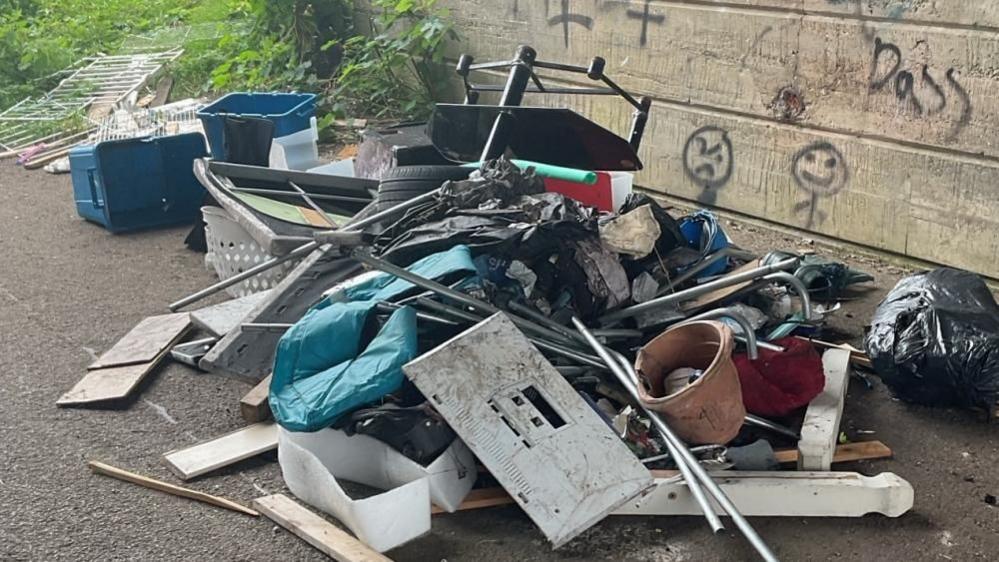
column 695, row 292
column 551, row 347
column 301, row 251
column 627, row 376
column 681, row 462
column 456, row 296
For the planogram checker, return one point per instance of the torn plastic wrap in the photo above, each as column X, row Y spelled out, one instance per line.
column 934, row 340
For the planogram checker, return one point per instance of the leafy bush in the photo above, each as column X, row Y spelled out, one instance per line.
column 387, row 66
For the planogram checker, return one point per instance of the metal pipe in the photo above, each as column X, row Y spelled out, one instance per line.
column 617, row 333
column 531, row 314
column 308, row 201
column 392, row 307
column 265, row 327
column 554, row 348
column 705, row 263
column 320, row 196
column 747, row 328
column 775, row 427
column 695, row 292
column 454, row 295
column 716, row 492
column 799, row 287
column 761, row 344
column 695, row 489
column 297, row 252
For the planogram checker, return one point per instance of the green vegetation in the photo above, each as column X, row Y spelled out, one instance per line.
column 378, row 63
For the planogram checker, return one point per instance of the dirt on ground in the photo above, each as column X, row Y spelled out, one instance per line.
column 69, row 290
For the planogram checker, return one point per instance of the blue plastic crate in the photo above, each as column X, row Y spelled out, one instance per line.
column 290, row 113
column 138, row 183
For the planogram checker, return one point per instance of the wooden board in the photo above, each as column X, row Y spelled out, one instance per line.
column 106, row 385
column 918, row 185
column 111, row 384
column 313, row 529
column 254, row 406
column 820, row 429
column 222, row 451
column 145, row 341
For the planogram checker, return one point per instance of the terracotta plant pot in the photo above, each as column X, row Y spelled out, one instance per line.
column 709, row 410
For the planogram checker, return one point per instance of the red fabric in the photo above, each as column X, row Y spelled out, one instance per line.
column 777, row 384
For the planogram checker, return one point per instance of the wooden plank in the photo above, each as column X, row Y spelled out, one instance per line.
column 857, row 357
column 111, row 384
column 106, row 385
column 145, row 341
column 820, row 429
column 222, row 451
column 114, row 472
column 741, row 59
column 254, row 406
column 313, row 529
column 850, row 452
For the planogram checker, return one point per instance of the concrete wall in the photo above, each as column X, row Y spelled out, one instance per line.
column 872, row 121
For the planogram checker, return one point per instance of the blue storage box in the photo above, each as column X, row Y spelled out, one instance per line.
column 290, row 113
column 138, row 183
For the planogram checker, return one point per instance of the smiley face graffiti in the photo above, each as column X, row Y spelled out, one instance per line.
column 708, row 160
column 820, row 170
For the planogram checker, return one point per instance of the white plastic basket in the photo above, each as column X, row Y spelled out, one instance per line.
column 231, row 250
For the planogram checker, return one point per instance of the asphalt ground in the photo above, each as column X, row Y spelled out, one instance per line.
column 69, row 290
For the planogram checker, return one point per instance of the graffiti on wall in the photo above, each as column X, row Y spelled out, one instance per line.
column 821, row 172
column 924, row 95
column 708, row 161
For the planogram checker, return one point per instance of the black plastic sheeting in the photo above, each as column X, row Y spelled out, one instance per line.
column 934, row 340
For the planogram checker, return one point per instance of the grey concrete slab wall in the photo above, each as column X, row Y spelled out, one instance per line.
column 871, row 121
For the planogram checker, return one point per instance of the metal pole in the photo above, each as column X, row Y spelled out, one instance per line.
column 695, row 292
column 747, row 328
column 716, row 492
column 308, row 201
column 469, row 317
column 300, row 251
column 513, row 94
column 681, row 462
column 799, row 287
column 775, row 427
column 454, row 295
column 225, row 283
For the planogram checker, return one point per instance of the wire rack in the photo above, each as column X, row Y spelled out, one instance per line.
column 61, row 113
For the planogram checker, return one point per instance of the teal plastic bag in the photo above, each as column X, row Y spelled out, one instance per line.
column 316, row 401
column 321, row 374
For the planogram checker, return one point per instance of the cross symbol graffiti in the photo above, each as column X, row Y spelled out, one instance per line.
column 646, row 17
column 566, row 17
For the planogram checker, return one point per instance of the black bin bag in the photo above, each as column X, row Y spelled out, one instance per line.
column 934, row 340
